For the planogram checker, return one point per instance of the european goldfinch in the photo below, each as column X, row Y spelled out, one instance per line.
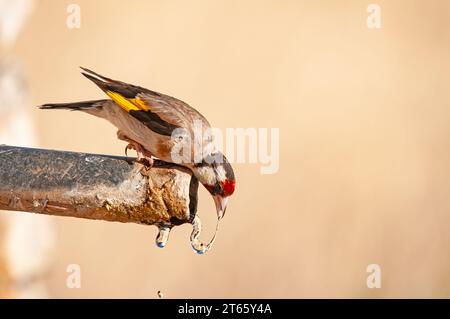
column 147, row 121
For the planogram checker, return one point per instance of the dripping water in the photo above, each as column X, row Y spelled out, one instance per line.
column 197, row 245
column 163, row 236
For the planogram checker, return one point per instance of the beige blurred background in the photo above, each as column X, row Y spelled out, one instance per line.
column 363, row 114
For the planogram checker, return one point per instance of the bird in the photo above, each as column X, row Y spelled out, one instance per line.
column 157, row 125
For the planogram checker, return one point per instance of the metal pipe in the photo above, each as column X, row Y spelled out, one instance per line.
column 102, row 187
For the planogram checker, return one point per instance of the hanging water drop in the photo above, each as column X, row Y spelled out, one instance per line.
column 163, row 236
column 196, row 244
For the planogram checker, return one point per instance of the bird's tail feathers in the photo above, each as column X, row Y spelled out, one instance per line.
column 76, row 106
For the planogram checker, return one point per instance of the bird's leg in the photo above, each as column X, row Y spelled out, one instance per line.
column 144, row 157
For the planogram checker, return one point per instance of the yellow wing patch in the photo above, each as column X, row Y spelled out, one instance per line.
column 140, row 104
column 127, row 104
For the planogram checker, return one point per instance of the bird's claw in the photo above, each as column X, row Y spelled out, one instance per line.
column 146, row 161
column 129, row 147
column 143, row 156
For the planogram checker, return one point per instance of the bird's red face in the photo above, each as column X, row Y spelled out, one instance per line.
column 219, row 180
column 228, row 186
column 221, row 192
column 223, row 188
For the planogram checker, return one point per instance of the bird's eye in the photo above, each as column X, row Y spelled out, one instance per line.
column 217, row 188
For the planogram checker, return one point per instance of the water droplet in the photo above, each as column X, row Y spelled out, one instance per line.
column 163, row 236
column 198, row 246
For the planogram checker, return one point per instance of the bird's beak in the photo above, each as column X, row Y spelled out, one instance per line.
column 221, row 205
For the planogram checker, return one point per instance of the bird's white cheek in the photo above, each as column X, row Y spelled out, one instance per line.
column 206, row 175
column 221, row 174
